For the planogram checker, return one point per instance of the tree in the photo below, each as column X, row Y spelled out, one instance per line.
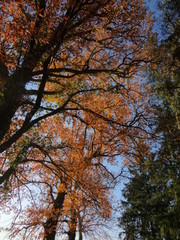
column 165, row 76
column 61, row 42
column 66, row 186
column 63, row 64
column 167, row 85
column 139, row 208
column 150, row 209
column 65, row 54
column 152, row 194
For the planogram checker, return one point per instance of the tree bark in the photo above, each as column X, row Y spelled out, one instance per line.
column 80, row 235
column 6, row 175
column 12, row 88
column 72, row 225
column 80, row 230
column 11, row 95
column 72, row 235
column 51, row 223
column 4, row 123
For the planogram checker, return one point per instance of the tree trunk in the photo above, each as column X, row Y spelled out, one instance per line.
column 72, row 225
column 4, row 79
column 80, row 235
column 72, row 235
column 80, row 227
column 12, row 88
column 11, row 93
column 51, row 223
column 5, row 177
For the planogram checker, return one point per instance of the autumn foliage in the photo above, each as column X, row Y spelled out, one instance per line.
column 72, row 100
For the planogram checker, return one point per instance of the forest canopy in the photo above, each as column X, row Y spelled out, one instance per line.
column 74, row 103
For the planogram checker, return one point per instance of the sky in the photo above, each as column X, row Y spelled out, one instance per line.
column 5, row 219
